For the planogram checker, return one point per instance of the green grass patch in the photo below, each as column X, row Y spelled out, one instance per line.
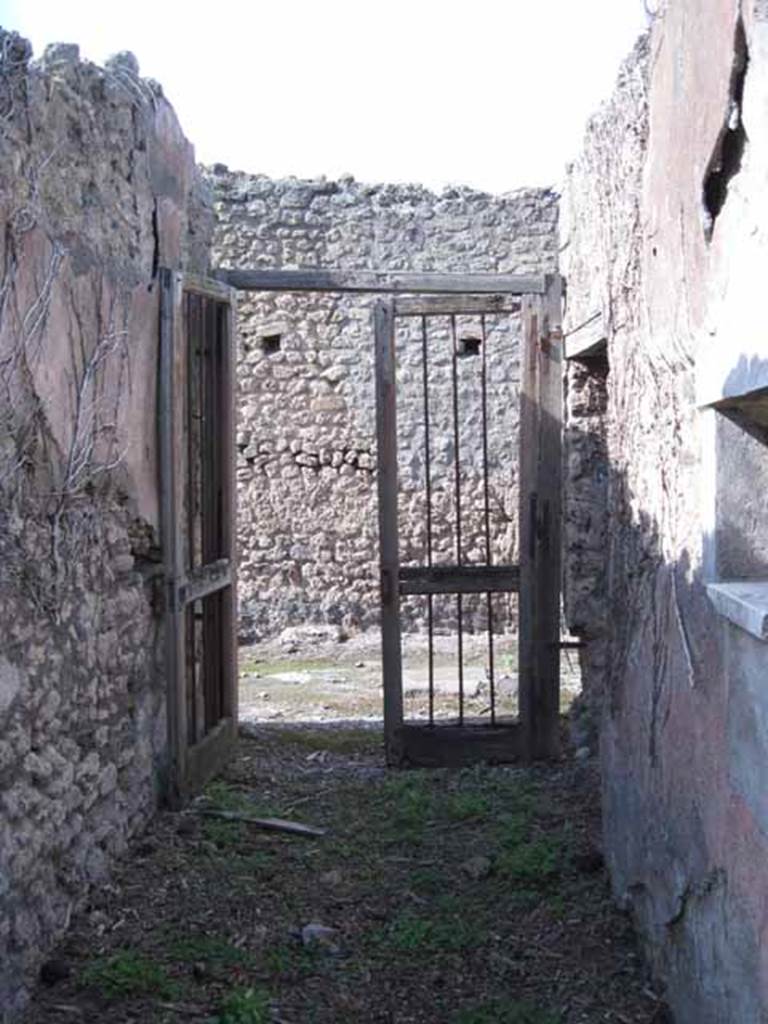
column 406, row 800
column 464, row 806
column 289, row 961
column 533, row 864
column 221, row 796
column 337, row 741
column 211, row 949
column 428, row 881
column 256, row 862
column 226, row 835
column 244, row 1006
column 129, row 973
column 506, row 1011
column 449, row 930
column 280, row 667
column 513, row 828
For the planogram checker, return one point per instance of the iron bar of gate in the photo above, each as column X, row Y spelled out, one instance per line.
column 428, row 472
column 487, row 510
column 457, row 467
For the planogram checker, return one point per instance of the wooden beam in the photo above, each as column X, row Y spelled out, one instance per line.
column 445, row 305
column 587, row 338
column 441, row 746
column 550, row 471
column 207, row 757
column 170, row 404
column 541, row 397
column 528, row 518
column 386, row 435
column 317, row 280
column 459, row 579
column 205, row 580
column 212, row 289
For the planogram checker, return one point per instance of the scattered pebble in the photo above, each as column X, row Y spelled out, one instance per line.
column 477, row 867
column 201, row 971
column 320, row 935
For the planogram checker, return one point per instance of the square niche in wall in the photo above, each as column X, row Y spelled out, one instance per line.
column 741, row 512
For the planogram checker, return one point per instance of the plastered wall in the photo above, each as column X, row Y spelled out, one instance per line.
column 674, row 276
column 98, row 188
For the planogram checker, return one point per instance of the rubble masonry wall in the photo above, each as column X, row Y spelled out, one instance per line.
column 98, row 188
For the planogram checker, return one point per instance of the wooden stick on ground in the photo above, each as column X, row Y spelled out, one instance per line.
column 271, row 824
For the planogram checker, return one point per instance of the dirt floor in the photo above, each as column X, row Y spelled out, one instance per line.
column 433, row 897
column 318, row 675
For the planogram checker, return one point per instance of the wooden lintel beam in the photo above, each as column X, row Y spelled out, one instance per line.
column 446, row 305
column 316, row 280
column 213, row 289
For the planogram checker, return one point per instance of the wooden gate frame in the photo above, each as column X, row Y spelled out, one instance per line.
column 540, row 497
column 538, row 733
column 541, row 474
column 190, row 765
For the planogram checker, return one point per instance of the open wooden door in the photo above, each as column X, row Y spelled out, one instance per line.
column 197, row 473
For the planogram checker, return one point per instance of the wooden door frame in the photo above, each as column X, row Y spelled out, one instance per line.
column 190, row 765
column 541, row 472
column 540, row 494
column 538, row 733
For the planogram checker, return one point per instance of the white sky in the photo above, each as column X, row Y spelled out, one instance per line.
column 489, row 94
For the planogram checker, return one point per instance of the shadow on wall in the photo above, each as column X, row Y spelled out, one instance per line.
column 684, row 757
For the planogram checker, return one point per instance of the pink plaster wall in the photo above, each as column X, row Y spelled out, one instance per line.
column 684, row 740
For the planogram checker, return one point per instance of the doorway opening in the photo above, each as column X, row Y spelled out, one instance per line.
column 454, row 447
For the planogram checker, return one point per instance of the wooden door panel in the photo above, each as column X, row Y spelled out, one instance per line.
column 198, row 508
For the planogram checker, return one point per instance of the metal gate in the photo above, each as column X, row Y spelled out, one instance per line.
column 197, row 475
column 536, row 574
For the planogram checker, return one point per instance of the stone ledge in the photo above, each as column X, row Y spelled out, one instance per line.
column 743, row 602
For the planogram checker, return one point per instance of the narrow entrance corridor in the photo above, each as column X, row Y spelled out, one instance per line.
column 433, row 897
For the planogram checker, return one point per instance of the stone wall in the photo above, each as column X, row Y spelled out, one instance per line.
column 97, row 189
column 308, row 530
column 666, row 231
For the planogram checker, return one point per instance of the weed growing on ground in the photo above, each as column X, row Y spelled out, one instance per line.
column 337, row 741
column 128, row 973
column 465, row 806
column 447, row 930
column 506, row 1012
column 208, row 948
column 244, row 1006
column 289, row 961
column 255, row 862
column 533, row 864
column 223, row 797
column 223, row 834
column 406, row 807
